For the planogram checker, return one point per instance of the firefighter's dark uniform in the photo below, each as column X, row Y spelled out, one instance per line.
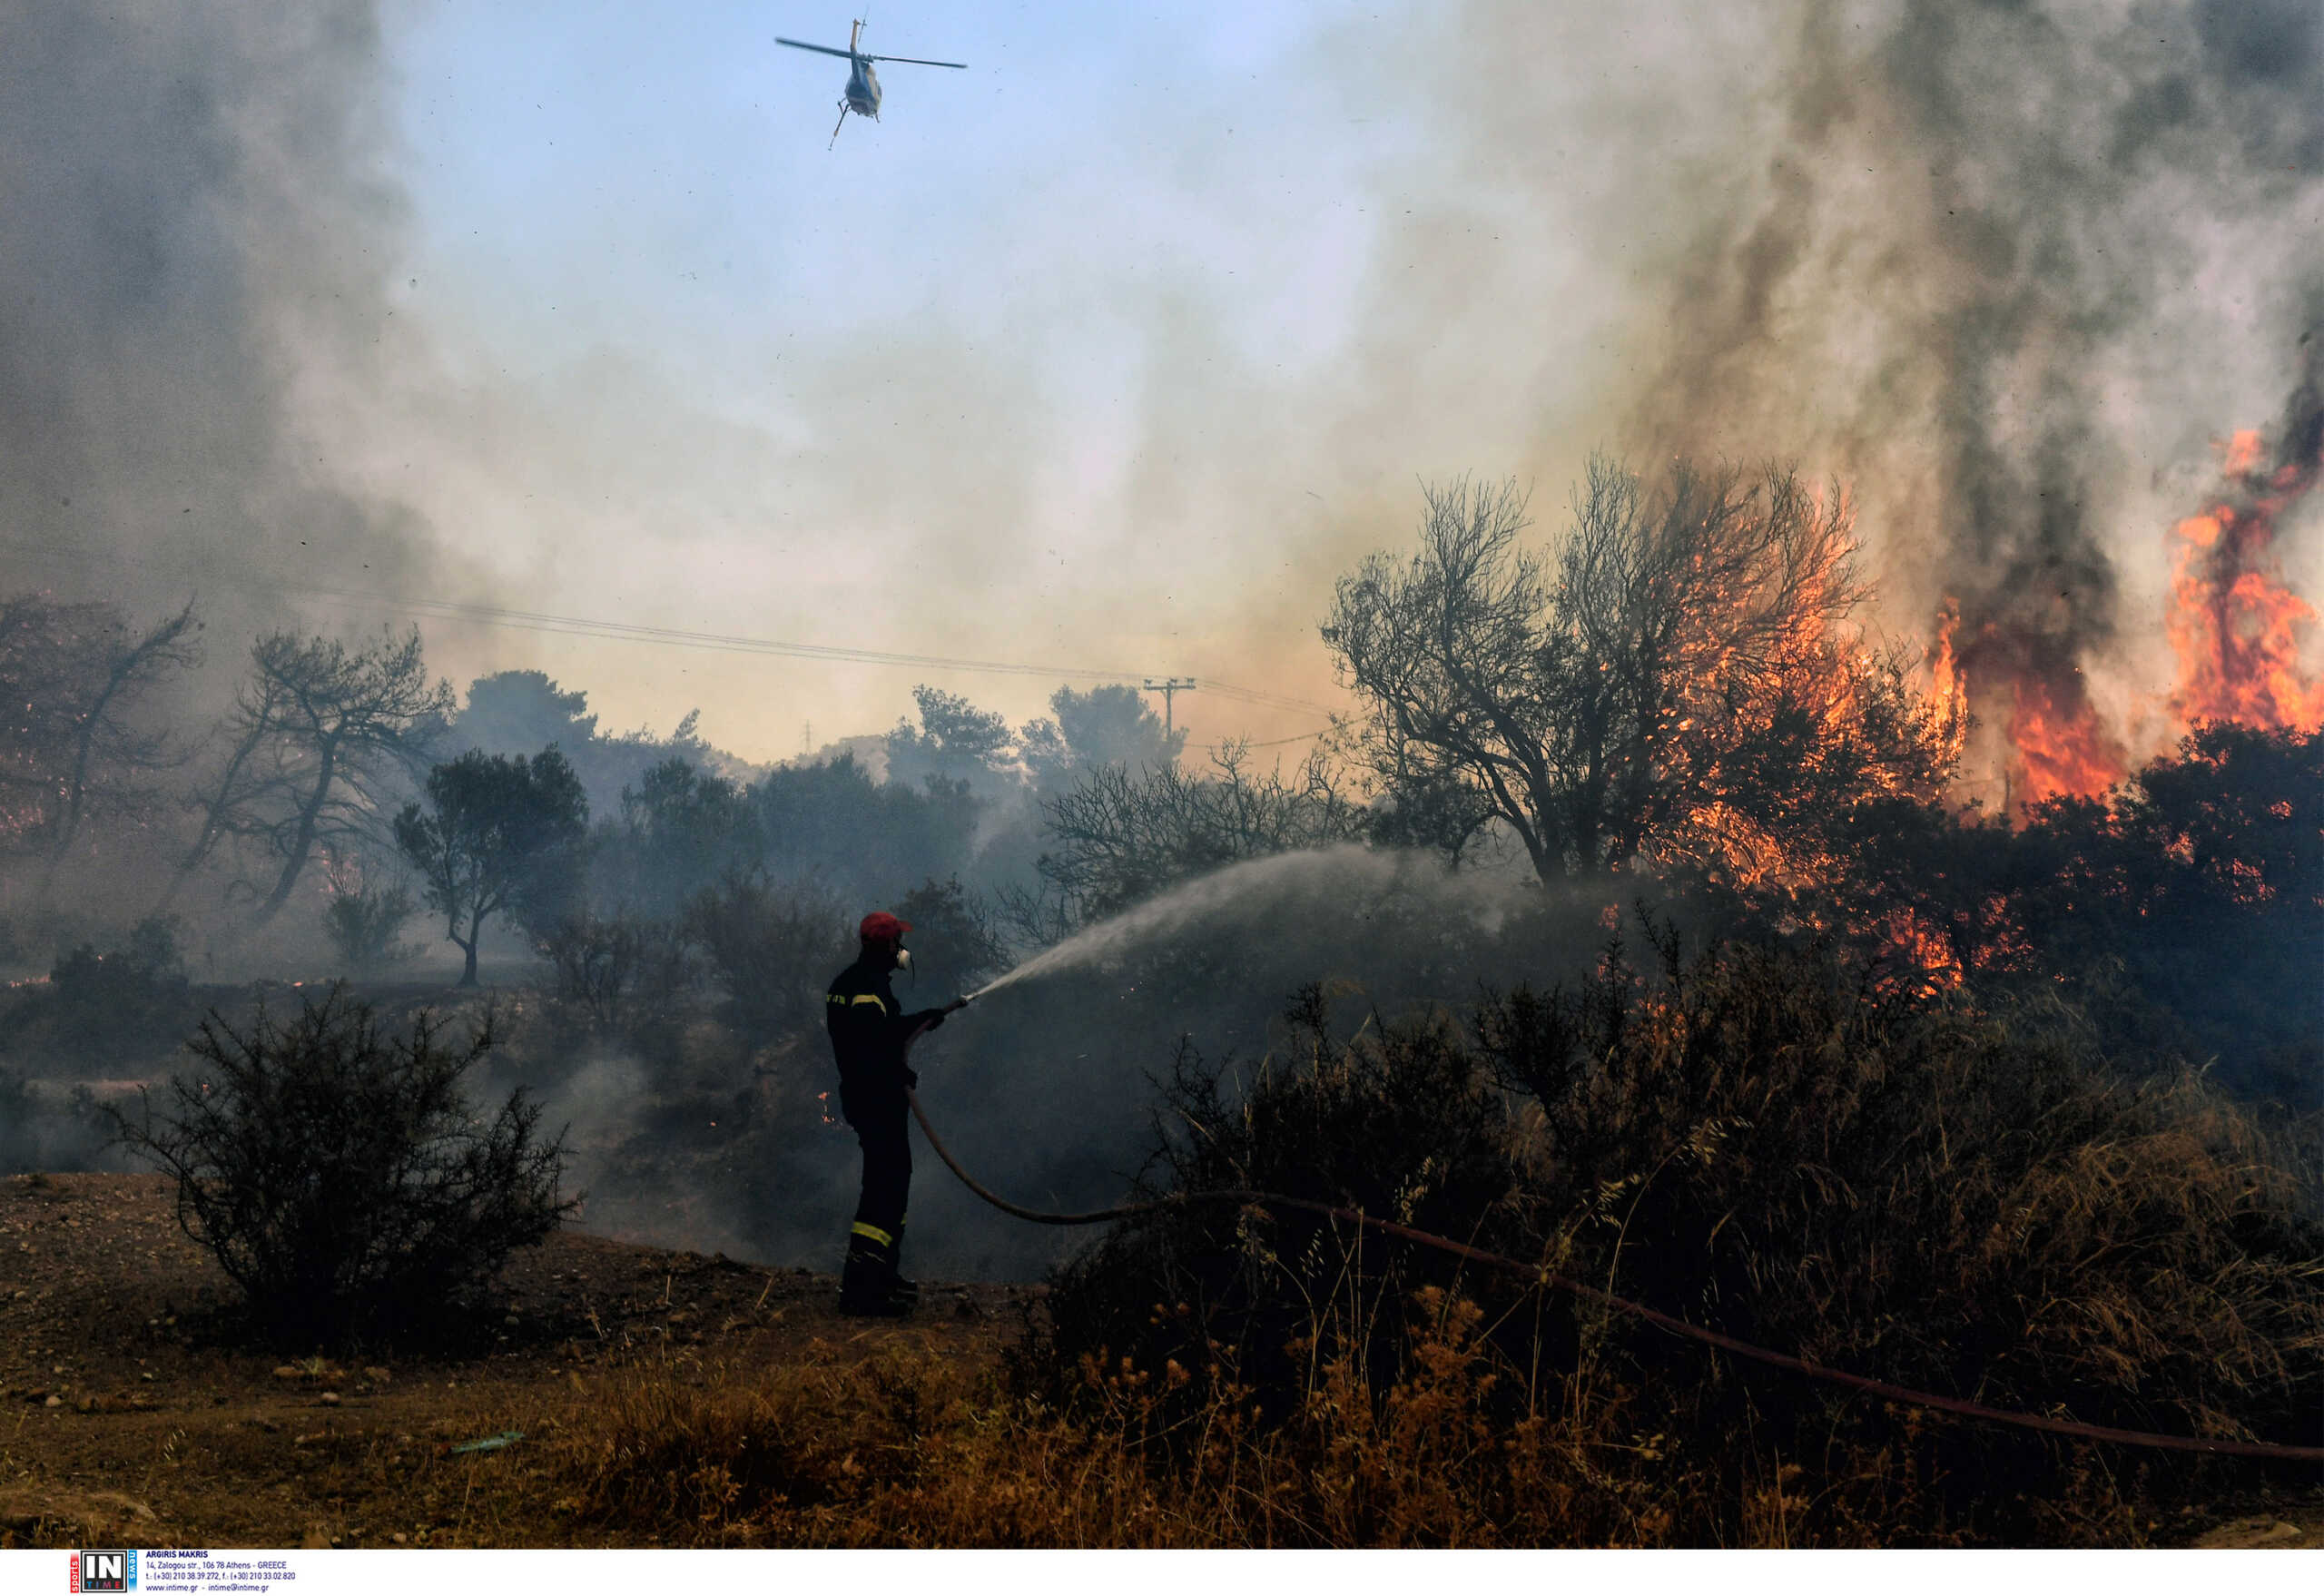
column 869, row 1029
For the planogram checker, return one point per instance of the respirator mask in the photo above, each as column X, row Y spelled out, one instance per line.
column 903, row 961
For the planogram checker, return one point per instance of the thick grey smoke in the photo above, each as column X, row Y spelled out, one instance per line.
column 199, row 229
column 2006, row 266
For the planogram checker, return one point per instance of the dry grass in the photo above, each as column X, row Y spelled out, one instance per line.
column 906, row 1450
column 1965, row 1202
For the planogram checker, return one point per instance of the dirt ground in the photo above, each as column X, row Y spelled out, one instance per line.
column 127, row 1420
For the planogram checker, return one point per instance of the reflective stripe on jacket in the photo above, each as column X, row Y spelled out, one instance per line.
column 868, row 1028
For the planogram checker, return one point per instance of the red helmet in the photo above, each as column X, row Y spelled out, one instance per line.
column 880, row 926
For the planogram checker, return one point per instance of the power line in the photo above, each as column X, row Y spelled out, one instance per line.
column 1270, row 743
column 487, row 614
column 676, row 637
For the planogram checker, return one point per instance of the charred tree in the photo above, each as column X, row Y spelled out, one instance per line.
column 73, row 678
column 317, row 736
column 107, row 745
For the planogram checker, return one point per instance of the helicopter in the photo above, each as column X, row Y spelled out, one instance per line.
column 862, row 83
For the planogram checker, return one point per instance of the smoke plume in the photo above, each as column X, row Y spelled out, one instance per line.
column 2008, row 268
column 200, row 228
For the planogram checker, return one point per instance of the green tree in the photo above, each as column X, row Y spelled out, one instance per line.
column 682, row 829
column 510, row 710
column 864, row 840
column 1112, row 724
column 499, row 832
column 956, row 742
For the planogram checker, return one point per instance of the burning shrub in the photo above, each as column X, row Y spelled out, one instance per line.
column 341, row 1178
column 2184, row 912
column 1761, row 1141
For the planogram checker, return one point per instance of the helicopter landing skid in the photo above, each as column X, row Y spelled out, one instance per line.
column 837, row 126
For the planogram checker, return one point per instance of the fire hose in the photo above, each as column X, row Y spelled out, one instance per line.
column 1550, row 1279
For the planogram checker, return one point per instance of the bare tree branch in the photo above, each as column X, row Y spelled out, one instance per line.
column 318, row 740
column 1689, row 675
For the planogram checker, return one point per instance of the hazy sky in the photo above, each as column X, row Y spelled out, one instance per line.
column 1107, row 352
column 1112, row 352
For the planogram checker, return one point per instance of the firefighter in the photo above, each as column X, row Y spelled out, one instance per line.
column 870, row 1032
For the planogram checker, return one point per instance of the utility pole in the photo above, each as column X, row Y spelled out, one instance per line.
column 1169, row 687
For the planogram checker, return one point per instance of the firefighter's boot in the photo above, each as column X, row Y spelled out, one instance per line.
column 865, row 1288
column 900, row 1290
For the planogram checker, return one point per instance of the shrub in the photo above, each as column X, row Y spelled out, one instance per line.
column 772, row 948
column 620, row 970
column 952, row 935
column 365, row 927
column 1406, row 1125
column 1761, row 1141
column 40, row 1135
column 341, row 1177
column 102, row 1007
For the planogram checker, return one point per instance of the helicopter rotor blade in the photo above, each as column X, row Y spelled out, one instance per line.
column 820, row 49
column 916, row 61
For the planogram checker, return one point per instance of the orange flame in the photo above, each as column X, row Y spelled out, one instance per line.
column 1947, row 707
column 2234, row 626
column 2062, row 749
column 1915, row 958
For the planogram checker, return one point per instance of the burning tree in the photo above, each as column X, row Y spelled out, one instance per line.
column 1681, row 679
